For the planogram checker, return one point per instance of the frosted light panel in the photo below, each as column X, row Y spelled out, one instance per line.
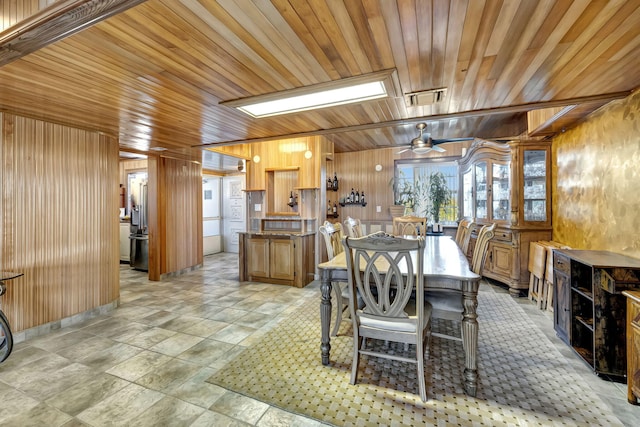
column 328, row 98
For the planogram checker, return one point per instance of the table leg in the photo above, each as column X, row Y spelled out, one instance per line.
column 470, row 337
column 325, row 314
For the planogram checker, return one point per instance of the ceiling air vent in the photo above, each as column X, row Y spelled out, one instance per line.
column 426, row 97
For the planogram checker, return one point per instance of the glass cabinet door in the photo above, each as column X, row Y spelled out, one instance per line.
column 535, row 185
column 500, row 192
column 481, row 190
column 467, row 194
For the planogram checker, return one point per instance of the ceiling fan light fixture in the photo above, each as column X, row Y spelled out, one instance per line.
column 419, row 146
column 421, row 150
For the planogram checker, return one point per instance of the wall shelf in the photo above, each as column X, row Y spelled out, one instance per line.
column 353, row 204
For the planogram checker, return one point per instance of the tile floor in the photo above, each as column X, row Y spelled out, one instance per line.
column 145, row 363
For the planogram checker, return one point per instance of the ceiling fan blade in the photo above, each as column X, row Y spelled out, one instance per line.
column 402, row 151
column 442, row 141
column 438, row 149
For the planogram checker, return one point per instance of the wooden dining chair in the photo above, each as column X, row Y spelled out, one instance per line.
column 409, row 226
column 482, row 245
column 386, row 271
column 448, row 304
column 332, row 236
column 463, row 234
column 353, row 227
column 462, row 227
column 466, row 238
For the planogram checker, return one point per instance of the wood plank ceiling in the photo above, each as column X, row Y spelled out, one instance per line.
column 156, row 73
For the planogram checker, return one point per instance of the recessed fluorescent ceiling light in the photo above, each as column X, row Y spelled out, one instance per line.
column 340, row 92
column 327, row 98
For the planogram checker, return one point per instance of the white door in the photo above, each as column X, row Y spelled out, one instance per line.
column 211, row 218
column 233, row 211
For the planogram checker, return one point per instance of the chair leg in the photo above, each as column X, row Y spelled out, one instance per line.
column 357, row 343
column 338, row 303
column 421, row 382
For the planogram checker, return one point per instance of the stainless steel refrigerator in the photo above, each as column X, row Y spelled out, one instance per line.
column 139, row 254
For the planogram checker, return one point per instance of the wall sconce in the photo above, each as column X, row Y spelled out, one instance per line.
column 256, row 159
column 378, row 168
column 308, row 154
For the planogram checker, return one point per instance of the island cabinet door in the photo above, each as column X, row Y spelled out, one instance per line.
column 258, row 257
column 282, row 263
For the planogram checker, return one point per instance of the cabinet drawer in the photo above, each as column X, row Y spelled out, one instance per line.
column 502, row 235
column 561, row 262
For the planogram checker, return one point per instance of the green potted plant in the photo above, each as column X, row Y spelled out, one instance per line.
column 402, row 196
column 439, row 196
column 409, row 197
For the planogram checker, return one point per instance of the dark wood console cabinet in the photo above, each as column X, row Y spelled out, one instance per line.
column 633, row 346
column 589, row 308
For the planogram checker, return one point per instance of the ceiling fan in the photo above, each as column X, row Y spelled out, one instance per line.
column 423, row 143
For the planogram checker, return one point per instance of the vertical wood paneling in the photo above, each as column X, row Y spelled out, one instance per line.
column 14, row 11
column 179, row 232
column 357, row 171
column 59, row 220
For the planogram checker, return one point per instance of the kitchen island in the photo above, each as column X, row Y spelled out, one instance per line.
column 283, row 258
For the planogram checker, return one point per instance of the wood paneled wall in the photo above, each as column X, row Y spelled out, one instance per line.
column 59, row 223
column 175, row 215
column 14, row 11
column 596, row 203
column 357, row 170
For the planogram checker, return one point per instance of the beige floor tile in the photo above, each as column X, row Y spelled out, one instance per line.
column 233, row 334
column 197, row 391
column 240, row 407
column 83, row 395
column 139, row 365
column 206, row 352
column 176, row 344
column 39, row 415
column 205, row 328
column 150, row 337
column 169, row 376
column 121, row 407
column 101, row 360
column 214, row 419
column 168, row 411
column 15, row 402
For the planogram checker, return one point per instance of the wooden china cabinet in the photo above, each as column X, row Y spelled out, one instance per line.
column 508, row 184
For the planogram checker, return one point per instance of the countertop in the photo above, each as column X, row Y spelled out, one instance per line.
column 277, row 233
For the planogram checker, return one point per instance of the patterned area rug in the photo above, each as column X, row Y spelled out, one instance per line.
column 518, row 385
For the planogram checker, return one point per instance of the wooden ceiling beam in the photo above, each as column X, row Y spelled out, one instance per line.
column 520, row 108
column 61, row 19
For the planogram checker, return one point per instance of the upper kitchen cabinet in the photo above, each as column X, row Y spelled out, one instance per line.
column 508, row 184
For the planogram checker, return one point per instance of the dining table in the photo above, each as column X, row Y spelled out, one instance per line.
column 443, row 259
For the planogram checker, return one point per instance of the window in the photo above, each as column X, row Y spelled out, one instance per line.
column 411, row 187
